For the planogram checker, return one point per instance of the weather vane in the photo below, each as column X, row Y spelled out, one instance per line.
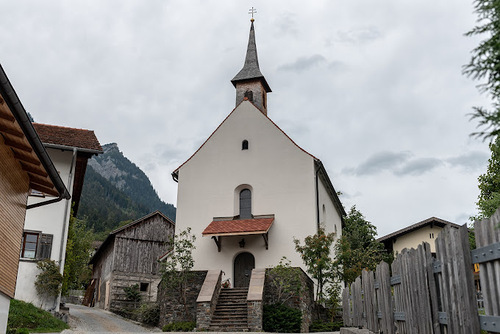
column 252, row 11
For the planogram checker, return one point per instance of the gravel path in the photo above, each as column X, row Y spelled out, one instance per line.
column 94, row 320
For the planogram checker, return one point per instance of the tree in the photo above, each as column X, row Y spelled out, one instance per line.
column 489, row 185
column 49, row 279
column 316, row 254
column 176, row 270
column 485, row 65
column 285, row 280
column 77, row 271
column 357, row 248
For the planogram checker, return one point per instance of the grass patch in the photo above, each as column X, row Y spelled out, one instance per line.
column 26, row 318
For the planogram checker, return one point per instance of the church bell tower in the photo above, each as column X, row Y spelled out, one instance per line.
column 250, row 82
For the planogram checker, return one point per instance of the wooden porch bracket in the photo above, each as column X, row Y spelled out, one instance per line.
column 217, row 242
column 264, row 235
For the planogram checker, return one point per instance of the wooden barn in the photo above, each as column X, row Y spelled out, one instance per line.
column 129, row 256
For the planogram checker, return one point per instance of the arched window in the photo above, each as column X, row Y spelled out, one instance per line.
column 244, row 145
column 245, row 204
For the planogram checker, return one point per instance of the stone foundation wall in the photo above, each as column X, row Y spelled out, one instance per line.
column 304, row 301
column 169, row 299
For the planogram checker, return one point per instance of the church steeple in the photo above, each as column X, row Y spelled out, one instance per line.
column 250, row 82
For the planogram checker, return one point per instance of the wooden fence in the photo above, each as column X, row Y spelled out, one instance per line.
column 426, row 294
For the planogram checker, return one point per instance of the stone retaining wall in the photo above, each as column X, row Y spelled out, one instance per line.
column 169, row 299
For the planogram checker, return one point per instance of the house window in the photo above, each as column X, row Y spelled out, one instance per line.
column 36, row 245
column 144, row 287
column 431, row 235
column 244, row 145
column 245, row 204
column 29, row 245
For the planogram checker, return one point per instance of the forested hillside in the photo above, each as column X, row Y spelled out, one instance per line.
column 116, row 190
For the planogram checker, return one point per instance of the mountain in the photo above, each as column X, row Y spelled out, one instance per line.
column 116, row 190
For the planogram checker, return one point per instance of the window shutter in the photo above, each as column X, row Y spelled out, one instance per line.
column 45, row 249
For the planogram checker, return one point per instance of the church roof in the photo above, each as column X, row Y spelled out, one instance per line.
column 238, row 227
column 251, row 70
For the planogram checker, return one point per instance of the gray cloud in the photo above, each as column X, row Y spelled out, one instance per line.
column 303, row 63
column 359, row 35
column 418, row 166
column 379, row 162
column 470, row 161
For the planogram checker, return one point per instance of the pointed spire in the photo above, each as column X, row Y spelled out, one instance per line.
column 250, row 70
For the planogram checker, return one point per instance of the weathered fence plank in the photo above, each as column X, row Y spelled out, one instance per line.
column 370, row 300
column 384, row 299
column 346, row 307
column 357, row 303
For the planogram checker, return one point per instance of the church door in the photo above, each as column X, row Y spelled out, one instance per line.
column 243, row 265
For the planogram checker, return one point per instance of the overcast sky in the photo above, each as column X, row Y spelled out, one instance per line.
column 372, row 88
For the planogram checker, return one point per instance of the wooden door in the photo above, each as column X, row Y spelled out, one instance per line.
column 243, row 265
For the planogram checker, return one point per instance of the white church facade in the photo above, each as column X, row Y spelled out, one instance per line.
column 249, row 190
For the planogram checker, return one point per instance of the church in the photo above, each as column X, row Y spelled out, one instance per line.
column 249, row 190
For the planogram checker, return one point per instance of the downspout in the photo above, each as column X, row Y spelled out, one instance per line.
column 67, row 212
column 316, row 170
column 68, row 206
column 36, row 205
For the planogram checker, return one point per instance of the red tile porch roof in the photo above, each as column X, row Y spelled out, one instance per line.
column 238, row 227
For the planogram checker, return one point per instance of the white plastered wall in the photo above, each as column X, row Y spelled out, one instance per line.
column 415, row 238
column 49, row 219
column 282, row 181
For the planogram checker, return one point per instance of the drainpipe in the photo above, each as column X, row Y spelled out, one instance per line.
column 67, row 208
column 67, row 212
column 316, row 170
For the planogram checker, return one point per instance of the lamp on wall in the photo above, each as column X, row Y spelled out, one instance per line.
column 242, row 243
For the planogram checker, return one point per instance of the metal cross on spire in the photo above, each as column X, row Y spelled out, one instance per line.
column 252, row 11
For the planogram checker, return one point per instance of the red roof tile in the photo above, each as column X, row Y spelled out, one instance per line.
column 238, row 227
column 59, row 135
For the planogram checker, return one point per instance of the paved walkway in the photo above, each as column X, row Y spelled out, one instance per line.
column 94, row 320
column 85, row 320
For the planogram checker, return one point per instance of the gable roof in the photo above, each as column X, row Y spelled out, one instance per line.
column 429, row 221
column 112, row 235
column 65, row 137
column 27, row 148
column 320, row 169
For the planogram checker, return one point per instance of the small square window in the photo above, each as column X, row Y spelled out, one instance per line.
column 144, row 287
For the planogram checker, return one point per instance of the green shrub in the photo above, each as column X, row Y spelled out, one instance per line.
column 150, row 314
column 133, row 293
column 320, row 326
column 26, row 318
column 180, row 326
column 280, row 318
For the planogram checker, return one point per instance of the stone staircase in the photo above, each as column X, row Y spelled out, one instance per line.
column 231, row 314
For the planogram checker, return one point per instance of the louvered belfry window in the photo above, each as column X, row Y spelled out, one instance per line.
column 245, row 204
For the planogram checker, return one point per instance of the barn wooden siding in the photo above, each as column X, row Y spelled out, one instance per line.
column 432, row 295
column 14, row 187
column 137, row 249
column 131, row 257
